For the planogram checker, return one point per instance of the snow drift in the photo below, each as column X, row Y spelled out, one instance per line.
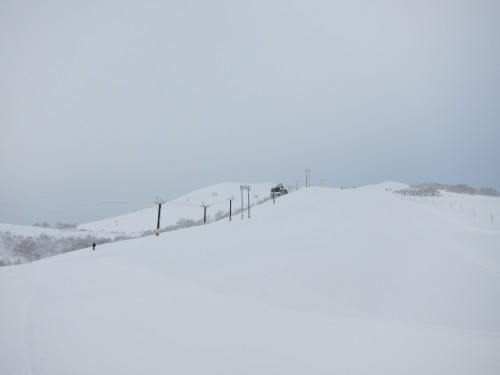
column 357, row 281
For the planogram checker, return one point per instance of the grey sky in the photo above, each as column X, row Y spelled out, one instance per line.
column 126, row 100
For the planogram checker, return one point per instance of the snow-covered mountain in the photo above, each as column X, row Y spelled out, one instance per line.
column 358, row 281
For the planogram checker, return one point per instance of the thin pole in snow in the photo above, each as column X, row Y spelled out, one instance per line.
column 204, row 213
column 158, row 202
column 241, row 188
column 245, row 187
column 230, row 208
column 158, row 221
column 248, row 190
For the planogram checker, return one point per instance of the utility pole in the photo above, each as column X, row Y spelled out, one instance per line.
column 230, row 207
column 308, row 175
column 241, row 188
column 158, row 202
column 158, row 221
column 204, row 212
column 248, row 189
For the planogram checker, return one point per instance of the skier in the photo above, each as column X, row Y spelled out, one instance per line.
column 93, row 246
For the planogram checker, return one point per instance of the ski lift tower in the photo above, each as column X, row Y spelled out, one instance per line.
column 159, row 202
column 247, row 188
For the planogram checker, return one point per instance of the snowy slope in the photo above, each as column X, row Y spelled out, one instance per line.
column 45, row 241
column 324, row 281
column 188, row 206
column 27, row 230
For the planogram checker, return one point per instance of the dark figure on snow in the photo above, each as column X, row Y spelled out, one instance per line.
column 93, row 246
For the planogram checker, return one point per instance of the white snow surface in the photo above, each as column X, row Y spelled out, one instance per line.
column 134, row 224
column 28, row 230
column 188, row 206
column 325, row 281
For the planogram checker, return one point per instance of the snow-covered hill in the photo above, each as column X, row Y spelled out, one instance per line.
column 354, row 281
column 188, row 206
column 28, row 230
column 49, row 241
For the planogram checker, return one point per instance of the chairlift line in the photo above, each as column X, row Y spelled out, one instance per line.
column 72, row 201
column 102, row 202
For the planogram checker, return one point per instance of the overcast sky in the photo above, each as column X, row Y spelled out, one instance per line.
column 128, row 100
